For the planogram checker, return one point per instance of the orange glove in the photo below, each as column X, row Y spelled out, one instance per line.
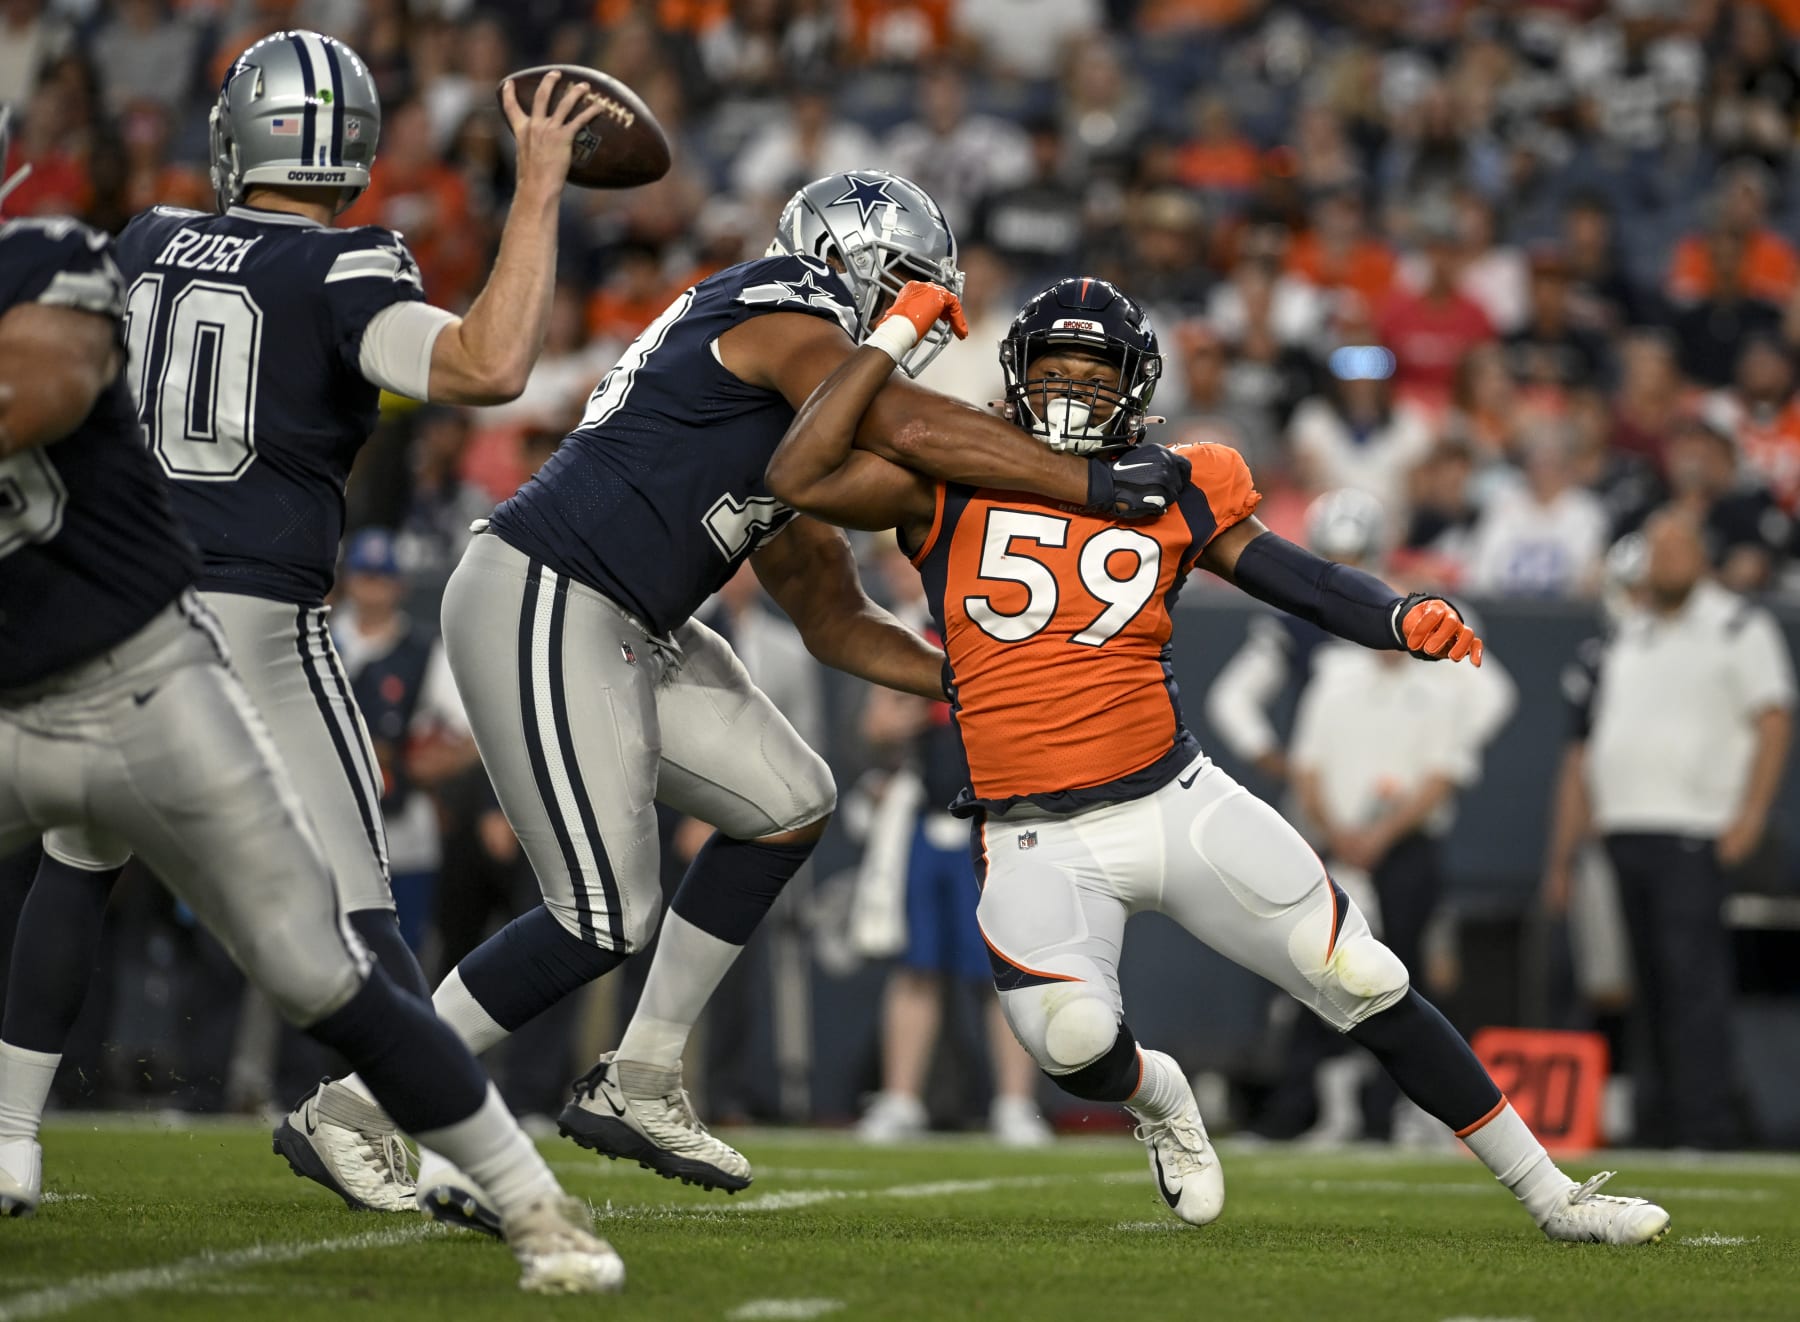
column 1434, row 630
column 925, row 304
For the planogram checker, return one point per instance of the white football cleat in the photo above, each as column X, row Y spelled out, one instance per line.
column 449, row 1196
column 21, row 1176
column 892, row 1117
column 626, row 1108
column 1015, row 1122
column 349, row 1145
column 1187, row 1170
column 1591, row 1217
column 559, row 1252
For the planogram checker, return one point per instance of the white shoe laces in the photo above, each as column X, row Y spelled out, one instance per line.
column 1189, row 1143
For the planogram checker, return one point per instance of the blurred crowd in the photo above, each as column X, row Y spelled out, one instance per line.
column 1520, row 270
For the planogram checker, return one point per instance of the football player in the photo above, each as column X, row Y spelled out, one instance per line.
column 1090, row 799
column 592, row 693
column 259, row 339
column 120, row 714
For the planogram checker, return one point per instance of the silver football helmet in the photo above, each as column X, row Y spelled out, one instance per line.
column 1347, row 525
column 298, row 108
column 882, row 231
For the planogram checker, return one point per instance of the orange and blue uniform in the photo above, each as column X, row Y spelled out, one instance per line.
column 1056, row 625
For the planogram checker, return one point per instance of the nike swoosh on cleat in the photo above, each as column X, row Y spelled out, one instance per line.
column 607, row 1098
column 1189, row 780
column 142, row 698
column 1172, row 1199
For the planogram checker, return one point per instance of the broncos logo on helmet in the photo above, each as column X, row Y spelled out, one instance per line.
column 1093, row 318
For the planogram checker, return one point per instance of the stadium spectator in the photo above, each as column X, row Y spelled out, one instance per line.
column 30, row 38
column 1756, row 89
column 1218, row 161
column 440, row 504
column 1220, row 405
column 1431, row 329
column 1760, row 263
column 143, row 53
column 900, row 32
column 1356, row 434
column 1545, row 536
column 1690, row 731
column 1549, row 350
column 804, row 142
column 1710, row 332
column 1746, row 531
column 1650, row 392
column 151, row 178
column 1339, row 253
column 1103, row 111
column 1026, row 39
column 1036, row 225
column 1603, row 299
column 969, row 369
column 1440, row 531
column 952, row 154
column 565, row 374
column 1761, row 409
column 1630, row 70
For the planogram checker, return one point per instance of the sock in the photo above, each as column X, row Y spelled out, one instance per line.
column 492, row 1150
column 688, row 968
column 474, row 1025
column 1161, row 1091
column 1510, row 1150
column 418, row 1070
column 380, row 931
column 1430, row 1061
column 731, row 884
column 54, row 953
column 729, row 887
column 25, row 1079
column 519, row 972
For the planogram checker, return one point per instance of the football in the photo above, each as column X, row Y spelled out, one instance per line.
column 621, row 147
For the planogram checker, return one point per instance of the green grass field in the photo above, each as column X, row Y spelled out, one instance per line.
column 149, row 1223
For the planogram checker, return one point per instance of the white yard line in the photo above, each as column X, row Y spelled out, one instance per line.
column 787, row 1200
column 183, row 1273
column 784, row 1308
column 1716, row 1241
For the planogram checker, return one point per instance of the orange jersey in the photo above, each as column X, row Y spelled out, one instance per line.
column 1056, row 624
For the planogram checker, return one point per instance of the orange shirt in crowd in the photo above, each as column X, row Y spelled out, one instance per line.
column 429, row 207
column 671, row 15
column 620, row 316
column 168, row 186
column 1188, row 15
column 1369, row 268
column 1233, row 164
column 1770, row 269
column 1772, row 448
column 58, row 185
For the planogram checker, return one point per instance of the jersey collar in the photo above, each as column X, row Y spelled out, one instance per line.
column 263, row 217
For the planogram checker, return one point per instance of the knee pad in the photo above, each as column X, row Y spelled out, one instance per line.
column 1079, row 1028
column 1113, row 1077
column 1367, row 976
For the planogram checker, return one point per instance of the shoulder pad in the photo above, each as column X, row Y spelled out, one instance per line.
column 61, row 262
column 797, row 283
column 371, row 253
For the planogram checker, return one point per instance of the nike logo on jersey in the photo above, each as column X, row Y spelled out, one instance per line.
column 1190, row 779
column 144, row 697
column 1170, row 1196
column 1130, row 468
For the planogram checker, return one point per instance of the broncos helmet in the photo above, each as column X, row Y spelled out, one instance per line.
column 297, row 108
column 1093, row 315
column 1346, row 525
column 883, row 231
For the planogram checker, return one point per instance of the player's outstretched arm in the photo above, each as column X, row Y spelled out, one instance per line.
column 817, row 468
column 906, row 424
column 54, row 362
column 486, row 356
column 1341, row 600
column 810, row 572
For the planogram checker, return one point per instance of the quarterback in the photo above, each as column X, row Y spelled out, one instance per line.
column 1090, row 800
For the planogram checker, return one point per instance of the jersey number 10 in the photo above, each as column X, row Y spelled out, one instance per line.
column 193, row 372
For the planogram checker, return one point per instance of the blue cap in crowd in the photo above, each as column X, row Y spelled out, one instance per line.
column 371, row 551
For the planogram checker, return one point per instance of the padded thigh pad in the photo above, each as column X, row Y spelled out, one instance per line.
column 1259, row 857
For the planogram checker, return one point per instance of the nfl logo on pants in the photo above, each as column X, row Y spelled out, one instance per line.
column 1027, row 839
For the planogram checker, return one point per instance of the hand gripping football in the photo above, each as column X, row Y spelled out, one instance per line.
column 621, row 147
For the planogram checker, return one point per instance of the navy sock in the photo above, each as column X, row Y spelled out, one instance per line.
column 54, row 953
column 418, row 1069
column 731, row 884
column 380, row 931
column 529, row 965
column 1430, row 1061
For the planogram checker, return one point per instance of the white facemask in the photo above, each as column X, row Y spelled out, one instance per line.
column 1065, row 426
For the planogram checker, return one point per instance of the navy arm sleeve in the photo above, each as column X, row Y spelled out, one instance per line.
column 1341, row 600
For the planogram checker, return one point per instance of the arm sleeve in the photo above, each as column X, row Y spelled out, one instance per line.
column 1341, row 600
column 1237, row 703
column 395, row 353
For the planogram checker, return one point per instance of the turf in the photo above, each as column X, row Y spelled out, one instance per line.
column 204, row 1223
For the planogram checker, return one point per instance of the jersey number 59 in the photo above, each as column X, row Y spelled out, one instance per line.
column 1120, row 599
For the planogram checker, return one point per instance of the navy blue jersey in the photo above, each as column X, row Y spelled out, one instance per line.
column 658, row 496
column 89, row 548
column 244, row 331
